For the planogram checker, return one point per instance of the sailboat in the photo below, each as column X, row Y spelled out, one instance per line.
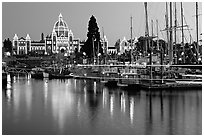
column 129, row 75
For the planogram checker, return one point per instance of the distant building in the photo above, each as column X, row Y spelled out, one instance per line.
column 124, row 46
column 104, row 42
column 21, row 45
column 60, row 41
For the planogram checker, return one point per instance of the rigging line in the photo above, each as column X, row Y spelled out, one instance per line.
column 185, row 39
column 177, row 36
column 161, row 32
column 188, row 29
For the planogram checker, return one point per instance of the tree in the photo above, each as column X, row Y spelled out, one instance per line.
column 93, row 40
column 42, row 37
column 7, row 45
column 117, row 45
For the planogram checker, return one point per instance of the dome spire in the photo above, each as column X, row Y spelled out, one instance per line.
column 60, row 16
column 15, row 37
column 27, row 37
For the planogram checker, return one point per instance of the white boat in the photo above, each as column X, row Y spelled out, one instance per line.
column 45, row 75
column 39, row 73
column 190, row 79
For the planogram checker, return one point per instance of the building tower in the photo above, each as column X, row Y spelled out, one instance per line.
column 28, row 44
column 60, row 36
column 15, row 45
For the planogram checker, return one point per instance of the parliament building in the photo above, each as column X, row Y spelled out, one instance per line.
column 61, row 40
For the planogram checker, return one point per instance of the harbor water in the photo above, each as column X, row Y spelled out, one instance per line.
column 83, row 107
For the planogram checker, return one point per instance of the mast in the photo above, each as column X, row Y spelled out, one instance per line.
column 171, row 37
column 146, row 16
column 148, row 43
column 105, row 48
column 93, row 51
column 98, row 53
column 175, row 26
column 183, row 56
column 103, row 32
column 167, row 25
column 152, row 28
column 157, row 35
column 146, row 27
column 131, row 40
column 175, row 22
column 197, row 30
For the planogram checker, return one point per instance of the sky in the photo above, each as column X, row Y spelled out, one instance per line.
column 34, row 18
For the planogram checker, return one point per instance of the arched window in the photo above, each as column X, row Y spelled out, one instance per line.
column 70, row 38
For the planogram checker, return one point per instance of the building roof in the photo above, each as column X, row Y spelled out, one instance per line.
column 111, row 48
column 60, row 23
column 22, row 38
column 37, row 42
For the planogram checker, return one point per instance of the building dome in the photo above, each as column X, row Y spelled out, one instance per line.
column 61, row 27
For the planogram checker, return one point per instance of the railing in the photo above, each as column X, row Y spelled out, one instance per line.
column 18, row 70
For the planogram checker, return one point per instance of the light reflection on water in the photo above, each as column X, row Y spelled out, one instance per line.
column 86, row 107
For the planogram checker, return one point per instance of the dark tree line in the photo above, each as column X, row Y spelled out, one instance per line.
column 7, row 45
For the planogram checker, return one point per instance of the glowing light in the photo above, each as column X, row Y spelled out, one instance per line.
column 199, row 59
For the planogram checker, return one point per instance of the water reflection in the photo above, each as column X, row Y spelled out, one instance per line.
column 111, row 105
column 45, row 92
column 131, row 109
column 123, row 105
column 87, row 107
column 62, row 104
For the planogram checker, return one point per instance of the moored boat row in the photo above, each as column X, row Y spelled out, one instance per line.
column 126, row 76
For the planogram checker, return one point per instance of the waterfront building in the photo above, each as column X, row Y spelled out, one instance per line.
column 104, row 42
column 61, row 40
column 124, row 46
column 21, row 45
column 48, row 47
